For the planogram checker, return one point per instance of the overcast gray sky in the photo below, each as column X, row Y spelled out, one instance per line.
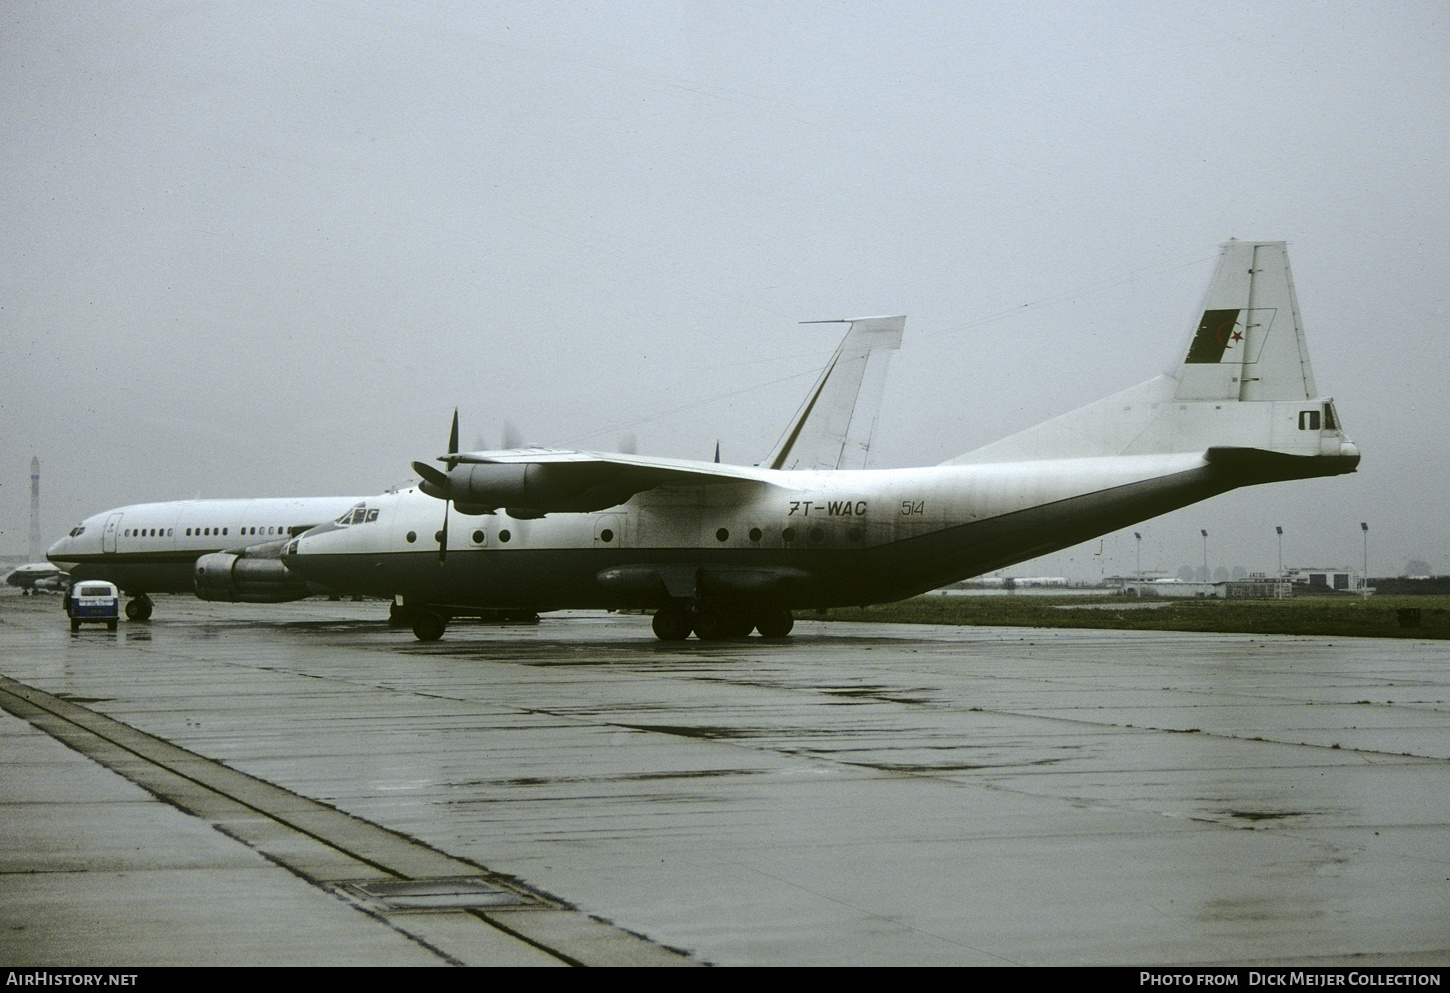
column 265, row 248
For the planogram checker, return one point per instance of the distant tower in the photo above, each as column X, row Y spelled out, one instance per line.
column 37, row 553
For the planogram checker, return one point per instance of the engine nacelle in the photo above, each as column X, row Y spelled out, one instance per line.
column 234, row 577
column 529, row 489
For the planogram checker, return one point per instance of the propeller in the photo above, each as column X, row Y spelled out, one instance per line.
column 511, row 436
column 451, row 463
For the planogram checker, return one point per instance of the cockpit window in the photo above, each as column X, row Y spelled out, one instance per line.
column 78, row 530
column 361, row 514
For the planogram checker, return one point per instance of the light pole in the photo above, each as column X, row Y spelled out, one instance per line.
column 1280, row 532
column 1206, row 576
column 1364, row 576
column 1138, row 536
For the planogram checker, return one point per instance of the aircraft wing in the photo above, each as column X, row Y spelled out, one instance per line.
column 533, row 482
column 683, row 472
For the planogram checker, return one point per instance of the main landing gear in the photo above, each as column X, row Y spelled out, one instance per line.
column 138, row 608
column 429, row 623
column 718, row 622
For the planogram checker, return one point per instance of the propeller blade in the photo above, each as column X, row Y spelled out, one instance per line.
column 443, row 537
column 453, row 440
column 511, row 436
column 436, row 481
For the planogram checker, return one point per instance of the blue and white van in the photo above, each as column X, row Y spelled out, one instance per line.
column 93, row 600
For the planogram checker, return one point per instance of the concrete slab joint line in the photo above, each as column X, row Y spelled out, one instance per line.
column 325, row 846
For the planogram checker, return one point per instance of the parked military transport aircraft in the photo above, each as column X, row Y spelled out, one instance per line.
column 228, row 549
column 722, row 550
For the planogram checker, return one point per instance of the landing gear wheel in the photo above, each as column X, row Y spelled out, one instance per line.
column 428, row 626
column 774, row 623
column 672, row 623
column 719, row 624
column 139, row 608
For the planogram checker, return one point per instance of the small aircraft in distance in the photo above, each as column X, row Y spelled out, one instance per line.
column 34, row 577
column 227, row 550
column 723, row 550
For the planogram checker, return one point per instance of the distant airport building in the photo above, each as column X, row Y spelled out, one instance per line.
column 1331, row 579
column 1162, row 586
column 1258, row 587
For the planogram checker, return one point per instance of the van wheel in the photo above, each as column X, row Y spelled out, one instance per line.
column 75, row 625
column 110, row 625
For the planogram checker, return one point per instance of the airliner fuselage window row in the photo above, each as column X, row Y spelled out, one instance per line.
column 194, row 532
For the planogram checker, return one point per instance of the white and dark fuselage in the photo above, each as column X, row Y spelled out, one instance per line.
column 787, row 540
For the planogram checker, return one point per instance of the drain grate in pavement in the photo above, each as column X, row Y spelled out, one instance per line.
column 451, row 893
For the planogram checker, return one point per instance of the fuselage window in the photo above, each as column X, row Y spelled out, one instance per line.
column 1308, row 420
column 1331, row 423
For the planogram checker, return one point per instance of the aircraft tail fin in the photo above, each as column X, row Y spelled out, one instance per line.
column 834, row 427
column 1249, row 343
column 1244, row 386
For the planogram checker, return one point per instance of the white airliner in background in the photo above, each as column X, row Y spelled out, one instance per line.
column 227, row 550
column 150, row 548
column 723, row 550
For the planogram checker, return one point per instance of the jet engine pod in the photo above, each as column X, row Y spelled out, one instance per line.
column 234, row 578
